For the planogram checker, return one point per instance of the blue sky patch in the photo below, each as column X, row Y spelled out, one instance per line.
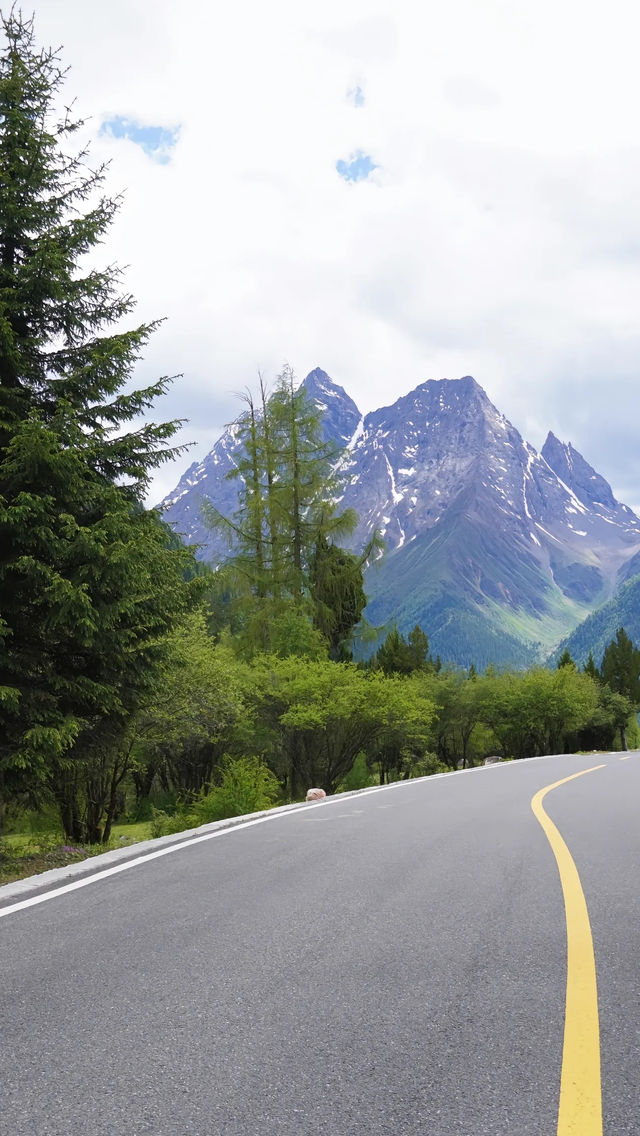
column 357, row 168
column 156, row 141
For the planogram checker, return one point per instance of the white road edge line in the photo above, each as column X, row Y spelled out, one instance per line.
column 22, row 904
column 104, row 874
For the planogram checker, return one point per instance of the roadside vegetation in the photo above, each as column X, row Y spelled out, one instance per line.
column 140, row 693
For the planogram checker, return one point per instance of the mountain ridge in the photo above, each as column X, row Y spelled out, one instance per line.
column 488, row 541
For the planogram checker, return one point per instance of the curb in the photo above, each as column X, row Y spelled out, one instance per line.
column 44, row 880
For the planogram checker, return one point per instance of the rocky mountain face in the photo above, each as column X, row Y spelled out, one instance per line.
column 498, row 552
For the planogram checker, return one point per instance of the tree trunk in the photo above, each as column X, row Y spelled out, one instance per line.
column 119, row 770
column 143, row 782
column 72, row 824
column 272, row 508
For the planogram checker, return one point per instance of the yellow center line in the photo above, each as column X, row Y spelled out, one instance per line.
column 626, row 757
column 580, row 1108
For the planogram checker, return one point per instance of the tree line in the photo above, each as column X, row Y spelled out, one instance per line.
column 128, row 672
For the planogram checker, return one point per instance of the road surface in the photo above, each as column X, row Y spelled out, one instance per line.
column 393, row 962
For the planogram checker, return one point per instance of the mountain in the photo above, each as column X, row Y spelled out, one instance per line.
column 497, row 551
column 598, row 629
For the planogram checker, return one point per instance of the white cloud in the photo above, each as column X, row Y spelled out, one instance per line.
column 499, row 236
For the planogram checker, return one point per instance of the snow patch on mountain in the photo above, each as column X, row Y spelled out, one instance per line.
column 443, row 456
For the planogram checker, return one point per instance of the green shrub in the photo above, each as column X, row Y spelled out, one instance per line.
column 247, row 785
column 427, row 766
column 358, row 777
column 164, row 825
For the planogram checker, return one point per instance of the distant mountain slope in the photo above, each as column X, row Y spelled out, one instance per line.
column 497, row 551
column 494, row 553
column 598, row 629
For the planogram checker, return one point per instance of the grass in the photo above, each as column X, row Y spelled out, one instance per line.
column 24, row 854
column 131, row 833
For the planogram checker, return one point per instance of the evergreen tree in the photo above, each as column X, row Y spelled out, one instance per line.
column 284, row 536
column 418, row 645
column 591, row 669
column 337, row 591
column 308, row 482
column 392, row 656
column 620, row 667
column 88, row 582
column 565, row 660
column 397, row 655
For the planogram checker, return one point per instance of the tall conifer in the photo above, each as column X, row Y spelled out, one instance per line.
column 284, row 536
column 88, row 581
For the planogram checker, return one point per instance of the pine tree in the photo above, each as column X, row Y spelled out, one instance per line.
column 393, row 655
column 397, row 655
column 418, row 644
column 89, row 584
column 620, row 667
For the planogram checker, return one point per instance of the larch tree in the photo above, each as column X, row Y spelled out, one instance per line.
column 284, row 539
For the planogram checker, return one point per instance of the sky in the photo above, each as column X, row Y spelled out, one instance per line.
column 393, row 192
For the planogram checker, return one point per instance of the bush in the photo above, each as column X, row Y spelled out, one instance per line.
column 427, row 766
column 247, row 785
column 164, row 825
column 169, row 802
column 358, row 777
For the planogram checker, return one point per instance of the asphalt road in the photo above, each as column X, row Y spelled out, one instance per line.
column 392, row 962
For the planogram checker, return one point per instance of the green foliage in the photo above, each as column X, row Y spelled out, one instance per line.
column 288, row 628
column 166, row 824
column 246, row 785
column 186, row 724
column 336, row 586
column 534, row 712
column 293, row 722
column 428, row 765
column 458, row 731
column 322, row 714
column 358, row 777
column 90, row 585
column 33, row 822
column 620, row 668
column 397, row 655
column 283, row 536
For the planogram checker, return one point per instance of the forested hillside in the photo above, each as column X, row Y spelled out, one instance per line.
column 623, row 610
